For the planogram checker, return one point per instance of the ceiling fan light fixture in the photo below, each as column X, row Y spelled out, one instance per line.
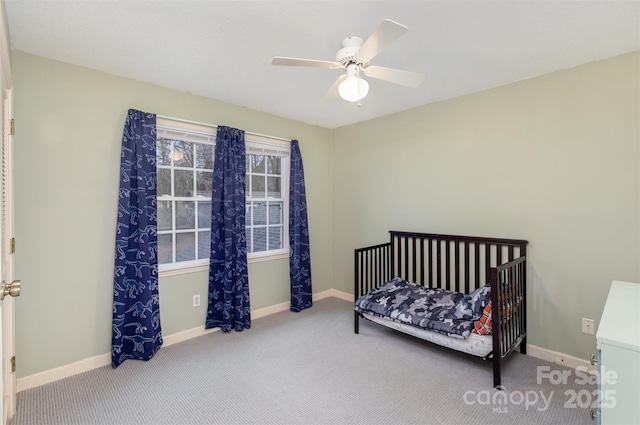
column 353, row 88
column 355, row 56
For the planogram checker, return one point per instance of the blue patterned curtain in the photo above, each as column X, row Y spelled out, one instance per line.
column 299, row 257
column 136, row 332
column 228, row 279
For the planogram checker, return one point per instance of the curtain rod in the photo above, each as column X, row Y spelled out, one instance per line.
column 215, row 126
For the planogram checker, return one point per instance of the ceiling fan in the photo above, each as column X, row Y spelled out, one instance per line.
column 355, row 59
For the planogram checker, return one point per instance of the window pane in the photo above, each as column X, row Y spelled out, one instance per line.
column 259, row 213
column 257, row 186
column 164, row 249
column 249, row 247
column 204, row 156
column 257, row 163
column 204, row 183
column 163, row 151
column 275, row 237
column 183, row 183
column 164, row 182
column 204, row 244
column 273, row 187
column 273, row 165
column 275, row 212
column 247, row 215
column 185, row 215
column 185, row 172
column 204, row 215
column 182, row 154
column 185, row 246
column 259, row 239
column 164, row 215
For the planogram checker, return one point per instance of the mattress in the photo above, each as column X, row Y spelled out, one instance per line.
column 476, row 345
column 436, row 309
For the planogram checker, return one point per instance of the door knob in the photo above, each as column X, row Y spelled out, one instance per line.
column 12, row 289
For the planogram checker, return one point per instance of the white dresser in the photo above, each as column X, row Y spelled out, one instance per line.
column 618, row 340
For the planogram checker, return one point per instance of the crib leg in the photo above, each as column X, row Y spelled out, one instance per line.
column 523, row 346
column 356, row 323
column 496, row 373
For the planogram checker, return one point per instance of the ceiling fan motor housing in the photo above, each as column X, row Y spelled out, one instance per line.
column 350, row 47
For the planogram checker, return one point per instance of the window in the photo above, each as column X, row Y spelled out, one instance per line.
column 185, row 176
column 264, row 204
column 185, row 156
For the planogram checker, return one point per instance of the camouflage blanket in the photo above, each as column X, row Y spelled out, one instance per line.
column 439, row 310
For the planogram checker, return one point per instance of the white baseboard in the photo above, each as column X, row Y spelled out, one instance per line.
column 85, row 365
column 333, row 293
column 62, row 372
column 559, row 358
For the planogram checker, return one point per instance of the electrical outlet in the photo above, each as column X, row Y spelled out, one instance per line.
column 196, row 300
column 588, row 326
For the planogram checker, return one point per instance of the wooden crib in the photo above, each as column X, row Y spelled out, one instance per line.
column 455, row 263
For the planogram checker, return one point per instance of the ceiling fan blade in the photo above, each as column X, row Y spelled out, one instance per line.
column 279, row 60
column 387, row 32
column 396, row 76
column 332, row 94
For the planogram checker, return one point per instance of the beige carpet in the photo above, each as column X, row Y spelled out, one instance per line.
column 307, row 368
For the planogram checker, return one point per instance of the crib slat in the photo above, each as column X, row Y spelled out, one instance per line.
column 387, row 272
column 466, row 267
column 430, row 257
column 509, row 308
column 374, row 270
column 438, row 263
column 447, row 264
column 487, row 260
column 456, row 270
column 396, row 258
column 405, row 272
column 422, row 261
column 367, row 273
column 476, row 263
column 414, row 277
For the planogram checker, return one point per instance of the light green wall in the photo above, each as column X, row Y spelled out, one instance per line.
column 553, row 159
column 69, row 127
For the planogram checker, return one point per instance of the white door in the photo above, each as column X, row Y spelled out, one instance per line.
column 9, row 287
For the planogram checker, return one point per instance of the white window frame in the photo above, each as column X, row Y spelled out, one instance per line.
column 263, row 145
column 255, row 144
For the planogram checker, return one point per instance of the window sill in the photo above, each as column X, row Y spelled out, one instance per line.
column 205, row 267
column 267, row 257
column 182, row 270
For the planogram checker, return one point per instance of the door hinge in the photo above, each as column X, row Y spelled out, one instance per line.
column 12, row 127
column 13, row 364
column 12, row 247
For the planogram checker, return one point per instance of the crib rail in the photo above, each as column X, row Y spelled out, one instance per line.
column 509, row 311
column 372, row 269
column 456, row 263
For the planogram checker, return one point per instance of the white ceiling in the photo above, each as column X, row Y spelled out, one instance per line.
column 223, row 49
